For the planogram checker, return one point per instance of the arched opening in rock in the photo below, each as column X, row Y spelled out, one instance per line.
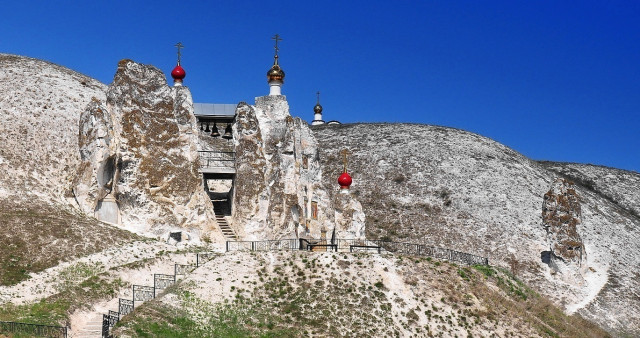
column 106, row 172
column 107, row 209
column 545, row 256
column 219, row 188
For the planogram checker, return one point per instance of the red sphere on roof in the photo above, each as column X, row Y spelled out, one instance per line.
column 178, row 73
column 345, row 181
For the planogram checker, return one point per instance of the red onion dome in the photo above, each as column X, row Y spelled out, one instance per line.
column 344, row 180
column 178, row 73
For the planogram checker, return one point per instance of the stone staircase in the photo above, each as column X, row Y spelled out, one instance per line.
column 228, row 233
column 91, row 329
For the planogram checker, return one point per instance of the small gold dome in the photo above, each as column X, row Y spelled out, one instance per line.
column 318, row 108
column 275, row 73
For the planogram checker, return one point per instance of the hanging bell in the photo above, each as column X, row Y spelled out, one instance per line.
column 227, row 132
column 214, row 131
column 207, row 130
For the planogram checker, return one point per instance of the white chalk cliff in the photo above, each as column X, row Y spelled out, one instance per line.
column 139, row 160
column 278, row 190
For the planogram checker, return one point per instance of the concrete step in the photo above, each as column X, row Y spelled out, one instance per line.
column 226, row 230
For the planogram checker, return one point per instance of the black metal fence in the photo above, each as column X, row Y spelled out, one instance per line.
column 162, row 281
column 358, row 245
column 183, row 269
column 282, row 244
column 125, row 306
column 143, row 293
column 204, row 257
column 217, row 159
column 34, row 330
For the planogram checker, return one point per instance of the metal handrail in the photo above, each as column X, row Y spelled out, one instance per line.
column 33, row 329
column 349, row 244
column 217, row 159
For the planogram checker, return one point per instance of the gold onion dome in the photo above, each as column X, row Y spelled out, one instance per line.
column 317, row 109
column 275, row 73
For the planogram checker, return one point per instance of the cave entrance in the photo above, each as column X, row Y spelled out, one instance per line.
column 219, row 188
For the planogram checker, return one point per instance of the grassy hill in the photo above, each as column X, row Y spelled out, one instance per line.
column 297, row 294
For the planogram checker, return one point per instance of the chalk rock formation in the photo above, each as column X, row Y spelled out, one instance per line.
column 139, row 160
column 278, row 191
column 561, row 214
column 40, row 103
column 349, row 217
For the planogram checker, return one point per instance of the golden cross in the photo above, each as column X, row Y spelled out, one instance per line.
column 344, row 153
column 277, row 38
column 318, row 95
column 179, row 45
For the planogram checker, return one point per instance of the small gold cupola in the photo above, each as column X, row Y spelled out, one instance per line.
column 275, row 75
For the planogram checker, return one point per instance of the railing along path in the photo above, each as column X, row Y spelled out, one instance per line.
column 216, row 159
column 142, row 293
column 354, row 245
column 33, row 330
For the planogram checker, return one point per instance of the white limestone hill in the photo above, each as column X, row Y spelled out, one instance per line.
column 456, row 189
column 40, row 106
column 417, row 183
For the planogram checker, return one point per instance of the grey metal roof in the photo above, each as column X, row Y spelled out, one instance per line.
column 214, row 109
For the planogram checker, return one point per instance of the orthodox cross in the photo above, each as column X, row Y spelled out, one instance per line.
column 344, row 153
column 318, row 95
column 179, row 45
column 277, row 38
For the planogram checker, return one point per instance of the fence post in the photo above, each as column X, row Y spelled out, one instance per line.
column 253, row 246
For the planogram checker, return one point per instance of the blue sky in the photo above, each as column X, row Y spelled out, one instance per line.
column 554, row 80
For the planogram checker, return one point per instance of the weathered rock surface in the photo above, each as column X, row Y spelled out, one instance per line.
column 561, row 215
column 40, row 226
column 456, row 189
column 621, row 187
column 278, row 190
column 39, row 110
column 139, row 150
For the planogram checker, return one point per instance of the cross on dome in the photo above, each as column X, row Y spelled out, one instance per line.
column 178, row 72
column 277, row 38
column 345, row 161
column 275, row 75
column 345, row 179
column 179, row 45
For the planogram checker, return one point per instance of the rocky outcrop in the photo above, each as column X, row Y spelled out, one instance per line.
column 561, row 214
column 278, row 191
column 452, row 188
column 617, row 186
column 139, row 156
